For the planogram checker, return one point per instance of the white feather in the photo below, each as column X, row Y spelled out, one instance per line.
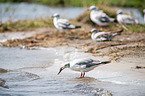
column 97, row 17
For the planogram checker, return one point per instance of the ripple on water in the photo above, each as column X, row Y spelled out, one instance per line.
column 86, row 89
column 15, row 76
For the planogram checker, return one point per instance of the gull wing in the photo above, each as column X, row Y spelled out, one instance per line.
column 101, row 36
column 128, row 19
column 87, row 62
column 104, row 19
column 63, row 23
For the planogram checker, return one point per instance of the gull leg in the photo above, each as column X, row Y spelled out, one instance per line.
column 83, row 74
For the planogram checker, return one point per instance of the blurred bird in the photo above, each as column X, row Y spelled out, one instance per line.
column 62, row 23
column 125, row 19
column 103, row 36
column 144, row 14
column 99, row 17
column 83, row 65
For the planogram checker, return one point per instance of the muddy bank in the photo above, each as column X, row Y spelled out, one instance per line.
column 129, row 43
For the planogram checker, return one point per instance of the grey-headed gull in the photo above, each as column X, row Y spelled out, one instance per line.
column 125, row 19
column 99, row 17
column 62, row 23
column 103, row 36
column 83, row 65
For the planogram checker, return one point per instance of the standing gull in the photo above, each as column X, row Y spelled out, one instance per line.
column 83, row 65
column 103, row 36
column 125, row 19
column 99, row 17
column 62, row 23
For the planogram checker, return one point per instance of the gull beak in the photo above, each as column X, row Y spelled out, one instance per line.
column 60, row 70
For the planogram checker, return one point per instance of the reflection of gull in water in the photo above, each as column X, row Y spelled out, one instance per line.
column 63, row 23
column 99, row 17
column 103, row 36
column 125, row 19
column 83, row 65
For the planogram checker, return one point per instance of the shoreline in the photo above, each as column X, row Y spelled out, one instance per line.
column 123, row 45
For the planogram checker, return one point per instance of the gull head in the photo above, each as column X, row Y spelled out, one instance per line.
column 56, row 15
column 94, row 30
column 120, row 12
column 93, row 8
column 144, row 11
column 62, row 68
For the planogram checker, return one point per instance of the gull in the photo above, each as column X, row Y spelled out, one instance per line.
column 99, row 17
column 62, row 23
column 103, row 36
column 144, row 14
column 83, row 65
column 125, row 19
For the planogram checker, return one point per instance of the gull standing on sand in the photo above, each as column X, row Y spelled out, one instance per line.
column 83, row 65
column 103, row 36
column 125, row 19
column 62, row 23
column 99, row 17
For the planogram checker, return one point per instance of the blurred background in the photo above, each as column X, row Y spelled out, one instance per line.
column 84, row 3
column 16, row 10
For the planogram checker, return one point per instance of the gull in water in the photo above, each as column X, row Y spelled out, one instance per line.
column 99, row 17
column 125, row 19
column 62, row 23
column 103, row 36
column 83, row 65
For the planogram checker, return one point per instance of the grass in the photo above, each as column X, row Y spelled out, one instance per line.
column 84, row 3
column 26, row 24
column 136, row 28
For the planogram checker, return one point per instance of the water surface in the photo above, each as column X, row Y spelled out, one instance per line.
column 34, row 73
column 22, row 11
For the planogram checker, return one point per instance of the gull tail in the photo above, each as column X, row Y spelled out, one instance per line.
column 77, row 27
column 119, row 32
column 105, row 62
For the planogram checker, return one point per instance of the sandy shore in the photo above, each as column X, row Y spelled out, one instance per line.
column 127, row 44
column 126, row 53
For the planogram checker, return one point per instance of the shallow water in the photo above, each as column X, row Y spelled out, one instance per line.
column 34, row 73
column 22, row 11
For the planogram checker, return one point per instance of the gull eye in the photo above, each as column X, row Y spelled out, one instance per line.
column 66, row 66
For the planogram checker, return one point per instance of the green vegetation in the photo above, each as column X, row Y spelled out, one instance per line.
column 26, row 24
column 83, row 3
column 136, row 28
